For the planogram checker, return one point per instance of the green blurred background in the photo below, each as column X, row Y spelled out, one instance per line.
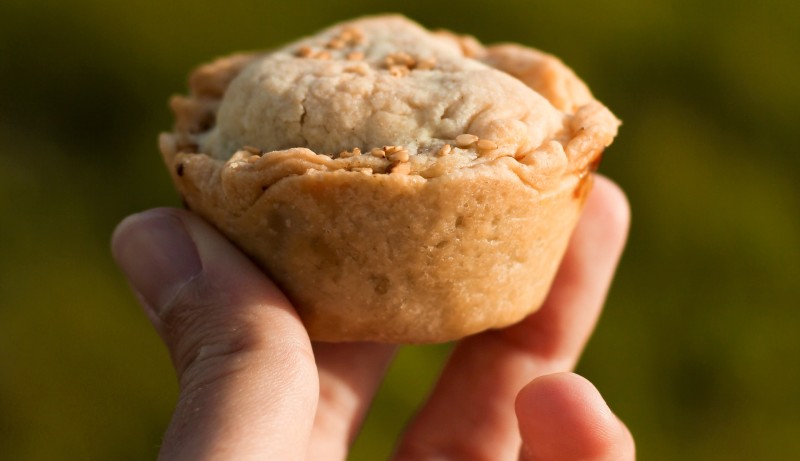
column 698, row 348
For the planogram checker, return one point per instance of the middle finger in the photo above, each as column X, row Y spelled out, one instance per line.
column 349, row 376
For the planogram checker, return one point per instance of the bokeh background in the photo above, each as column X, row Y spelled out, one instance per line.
column 698, row 348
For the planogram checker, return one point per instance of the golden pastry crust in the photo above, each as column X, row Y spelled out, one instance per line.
column 400, row 186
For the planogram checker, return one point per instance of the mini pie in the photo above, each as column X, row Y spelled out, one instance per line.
column 399, row 185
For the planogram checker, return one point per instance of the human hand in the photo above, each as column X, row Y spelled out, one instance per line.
column 252, row 385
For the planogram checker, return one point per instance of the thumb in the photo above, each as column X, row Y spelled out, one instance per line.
column 248, row 382
column 562, row 416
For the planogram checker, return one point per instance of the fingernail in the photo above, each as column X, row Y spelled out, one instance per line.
column 157, row 254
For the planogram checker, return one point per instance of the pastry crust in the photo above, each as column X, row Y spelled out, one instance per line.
column 399, row 185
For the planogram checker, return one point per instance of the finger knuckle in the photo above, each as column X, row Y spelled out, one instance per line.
column 211, row 335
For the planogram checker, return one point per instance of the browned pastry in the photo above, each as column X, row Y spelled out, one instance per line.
column 399, row 185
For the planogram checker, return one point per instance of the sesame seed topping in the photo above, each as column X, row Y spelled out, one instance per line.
column 349, row 36
column 392, row 149
column 367, row 171
column 252, row 150
column 400, row 58
column 485, row 144
column 399, row 156
column 445, row 150
column 466, row 140
column 360, row 69
column 336, row 44
column 323, row 55
column 399, row 168
column 376, row 152
column 352, row 35
column 426, row 64
column 350, row 153
column 304, row 52
column 404, row 59
column 355, row 56
column 399, row 71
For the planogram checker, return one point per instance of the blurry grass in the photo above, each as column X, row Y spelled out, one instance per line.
column 408, row 382
column 73, row 344
column 697, row 347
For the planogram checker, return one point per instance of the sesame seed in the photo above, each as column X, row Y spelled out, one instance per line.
column 399, row 156
column 351, row 36
column 336, row 44
column 355, row 56
column 399, row 168
column 401, row 58
column 360, row 69
column 399, row 71
column 445, row 150
column 305, row 51
column 426, row 64
column 355, row 35
column 380, row 153
column 323, row 55
column 350, row 153
column 253, row 159
column 485, row 144
column 466, row 140
column 392, row 149
column 367, row 171
column 252, row 150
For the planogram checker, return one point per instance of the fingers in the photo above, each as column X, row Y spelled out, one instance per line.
column 349, row 377
column 485, row 372
column 248, row 384
column 563, row 417
column 559, row 331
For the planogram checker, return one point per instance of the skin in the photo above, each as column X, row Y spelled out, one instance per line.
column 253, row 386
